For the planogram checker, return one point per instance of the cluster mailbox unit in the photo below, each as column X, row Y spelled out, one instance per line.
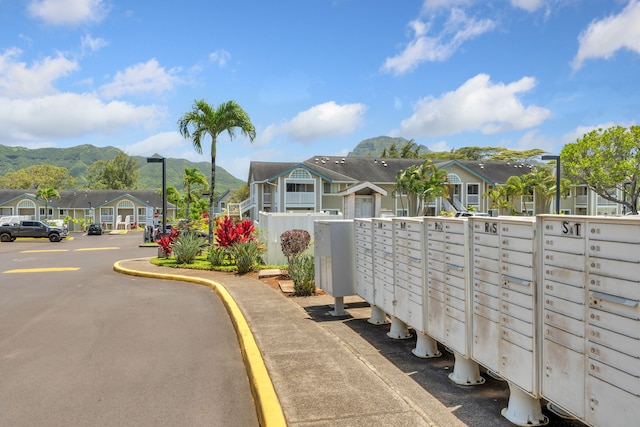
column 448, row 301
column 591, row 295
column 551, row 304
column 505, row 310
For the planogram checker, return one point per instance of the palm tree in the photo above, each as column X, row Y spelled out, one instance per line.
column 516, row 188
column 192, row 176
column 421, row 184
column 205, row 120
column 47, row 194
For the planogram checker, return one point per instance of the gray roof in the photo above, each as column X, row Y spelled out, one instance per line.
column 492, row 172
column 82, row 199
column 380, row 170
column 337, row 169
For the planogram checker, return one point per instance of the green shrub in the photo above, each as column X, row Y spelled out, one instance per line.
column 302, row 272
column 247, row 255
column 186, row 247
column 216, row 255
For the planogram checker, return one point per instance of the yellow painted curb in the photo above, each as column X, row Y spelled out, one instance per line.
column 268, row 406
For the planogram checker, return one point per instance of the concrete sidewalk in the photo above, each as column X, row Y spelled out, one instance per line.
column 344, row 371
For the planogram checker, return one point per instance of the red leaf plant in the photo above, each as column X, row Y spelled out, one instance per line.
column 166, row 241
column 228, row 232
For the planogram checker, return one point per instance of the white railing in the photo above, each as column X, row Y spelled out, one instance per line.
column 602, row 201
column 581, row 200
column 266, row 199
column 300, row 198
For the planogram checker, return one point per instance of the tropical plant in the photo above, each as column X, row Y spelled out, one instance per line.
column 302, row 273
column 187, row 246
column 229, row 232
column 192, row 177
column 205, row 120
column 246, row 254
column 216, row 255
column 421, row 184
column 294, row 242
column 500, row 199
column 47, row 194
column 166, row 240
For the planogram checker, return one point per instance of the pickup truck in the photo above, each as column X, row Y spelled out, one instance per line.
column 37, row 229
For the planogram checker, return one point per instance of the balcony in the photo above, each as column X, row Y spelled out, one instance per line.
column 300, row 199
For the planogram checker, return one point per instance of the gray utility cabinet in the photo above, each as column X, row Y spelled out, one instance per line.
column 409, row 265
column 504, row 299
column 448, row 293
column 591, row 317
column 383, row 265
column 334, row 257
column 364, row 259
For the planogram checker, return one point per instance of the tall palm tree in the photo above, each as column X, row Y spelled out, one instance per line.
column 192, row 176
column 47, row 194
column 205, row 120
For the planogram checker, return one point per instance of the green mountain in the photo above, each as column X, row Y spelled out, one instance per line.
column 78, row 159
column 373, row 147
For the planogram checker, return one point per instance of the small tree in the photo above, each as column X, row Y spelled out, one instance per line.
column 608, row 162
column 294, row 242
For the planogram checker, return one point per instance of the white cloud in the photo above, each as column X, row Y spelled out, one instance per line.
column 457, row 30
column 67, row 12
column 439, row 147
column 91, row 44
column 69, row 115
column 477, row 105
column 603, row 38
column 220, row 57
column 18, row 80
column 145, row 77
column 528, row 5
column 320, row 121
column 159, row 143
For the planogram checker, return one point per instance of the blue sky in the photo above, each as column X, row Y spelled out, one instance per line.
column 317, row 76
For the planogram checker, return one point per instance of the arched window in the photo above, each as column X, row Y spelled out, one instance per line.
column 124, row 204
column 300, row 174
column 452, row 178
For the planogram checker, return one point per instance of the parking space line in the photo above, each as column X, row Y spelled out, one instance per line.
column 43, row 250
column 109, row 248
column 41, row 270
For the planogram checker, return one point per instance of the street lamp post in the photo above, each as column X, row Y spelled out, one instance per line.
column 164, row 189
column 557, row 159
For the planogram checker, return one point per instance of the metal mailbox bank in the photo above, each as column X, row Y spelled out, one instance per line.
column 364, row 269
column 449, row 299
column 409, row 289
column 590, row 311
column 505, row 310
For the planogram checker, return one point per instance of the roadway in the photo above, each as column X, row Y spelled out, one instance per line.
column 83, row 345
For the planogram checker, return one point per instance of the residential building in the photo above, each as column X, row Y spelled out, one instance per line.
column 112, row 208
column 365, row 187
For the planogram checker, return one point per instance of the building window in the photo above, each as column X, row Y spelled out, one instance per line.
column 473, row 194
column 300, row 174
column 63, row 213
column 332, row 188
column 294, row 187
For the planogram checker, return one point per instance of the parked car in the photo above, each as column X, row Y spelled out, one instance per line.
column 470, row 213
column 34, row 229
column 94, row 229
